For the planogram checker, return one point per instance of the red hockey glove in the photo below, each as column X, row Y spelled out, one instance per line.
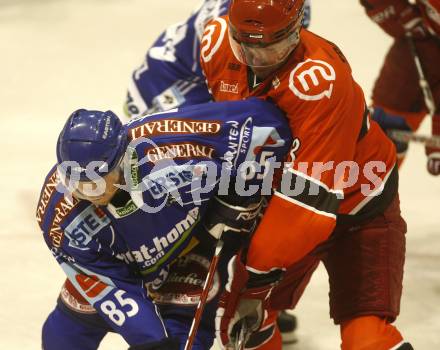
column 397, row 17
column 433, row 153
column 242, row 304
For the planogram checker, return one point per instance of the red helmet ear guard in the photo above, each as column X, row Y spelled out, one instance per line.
column 263, row 22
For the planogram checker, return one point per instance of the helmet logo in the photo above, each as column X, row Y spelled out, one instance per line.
column 311, row 80
column 106, row 127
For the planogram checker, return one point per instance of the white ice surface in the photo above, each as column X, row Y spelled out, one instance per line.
column 57, row 56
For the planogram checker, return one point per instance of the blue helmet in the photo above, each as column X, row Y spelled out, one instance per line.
column 91, row 136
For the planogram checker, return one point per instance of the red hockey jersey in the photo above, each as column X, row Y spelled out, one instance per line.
column 341, row 165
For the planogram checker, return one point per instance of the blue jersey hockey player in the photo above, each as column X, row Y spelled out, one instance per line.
column 123, row 210
column 170, row 75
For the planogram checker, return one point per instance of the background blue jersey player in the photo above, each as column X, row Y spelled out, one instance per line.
column 124, row 213
column 170, row 75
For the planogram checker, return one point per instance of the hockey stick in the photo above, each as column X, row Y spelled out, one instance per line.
column 423, row 83
column 407, row 136
column 204, row 296
column 242, row 337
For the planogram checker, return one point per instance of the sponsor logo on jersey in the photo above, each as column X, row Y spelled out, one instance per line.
column 126, row 210
column 185, row 282
column 161, row 182
column 91, row 285
column 87, row 224
column 133, row 161
column 170, row 98
column 61, row 210
column 238, row 141
column 227, row 87
column 151, row 257
column 212, row 38
column 184, row 150
column 46, row 194
column 270, row 142
column 312, row 80
column 175, row 126
column 74, row 304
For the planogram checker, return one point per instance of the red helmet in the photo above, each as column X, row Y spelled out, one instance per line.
column 263, row 24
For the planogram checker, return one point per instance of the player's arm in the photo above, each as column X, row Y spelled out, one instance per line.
column 396, row 17
column 265, row 138
column 163, row 79
column 170, row 75
column 303, row 211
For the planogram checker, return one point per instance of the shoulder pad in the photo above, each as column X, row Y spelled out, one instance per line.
column 213, row 36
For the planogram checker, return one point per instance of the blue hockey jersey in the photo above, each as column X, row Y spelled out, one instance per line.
column 175, row 162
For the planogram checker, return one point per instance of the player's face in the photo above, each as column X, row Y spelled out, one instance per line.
column 100, row 191
column 265, row 56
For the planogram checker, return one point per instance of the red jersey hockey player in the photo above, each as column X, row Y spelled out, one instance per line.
column 337, row 201
column 397, row 90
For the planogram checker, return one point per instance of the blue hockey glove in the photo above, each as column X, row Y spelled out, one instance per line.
column 390, row 122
